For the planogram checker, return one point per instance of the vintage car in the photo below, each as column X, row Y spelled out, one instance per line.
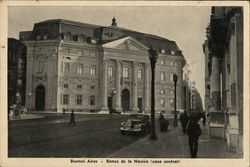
column 136, row 124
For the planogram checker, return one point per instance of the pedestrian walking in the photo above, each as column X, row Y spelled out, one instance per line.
column 184, row 120
column 72, row 118
column 161, row 117
column 163, row 123
column 193, row 132
column 63, row 113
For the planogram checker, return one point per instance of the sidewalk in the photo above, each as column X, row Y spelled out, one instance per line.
column 174, row 144
column 25, row 116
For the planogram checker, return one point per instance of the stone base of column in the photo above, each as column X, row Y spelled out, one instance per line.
column 232, row 133
column 216, row 124
column 135, row 110
column 235, row 143
column 118, row 109
column 104, row 110
column 147, row 111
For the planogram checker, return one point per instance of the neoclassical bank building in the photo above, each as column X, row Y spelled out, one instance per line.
column 90, row 68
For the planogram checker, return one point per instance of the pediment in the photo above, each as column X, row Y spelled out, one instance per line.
column 128, row 44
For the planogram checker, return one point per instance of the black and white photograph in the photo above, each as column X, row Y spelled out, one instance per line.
column 125, row 83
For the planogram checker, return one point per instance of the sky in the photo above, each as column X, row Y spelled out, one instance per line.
column 184, row 25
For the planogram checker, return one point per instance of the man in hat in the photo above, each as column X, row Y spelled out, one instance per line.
column 193, row 132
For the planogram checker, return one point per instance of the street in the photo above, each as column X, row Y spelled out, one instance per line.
column 52, row 136
column 99, row 136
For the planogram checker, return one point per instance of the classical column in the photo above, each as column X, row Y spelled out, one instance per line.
column 118, row 86
column 215, row 83
column 146, row 93
column 135, row 98
column 104, row 86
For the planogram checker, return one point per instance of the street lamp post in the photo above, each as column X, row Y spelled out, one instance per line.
column 113, row 92
column 153, row 55
column 175, row 78
column 29, row 103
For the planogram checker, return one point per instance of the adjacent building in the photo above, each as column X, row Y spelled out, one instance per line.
column 196, row 101
column 223, row 51
column 16, row 72
column 186, row 89
column 72, row 65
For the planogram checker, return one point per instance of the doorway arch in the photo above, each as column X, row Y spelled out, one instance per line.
column 125, row 99
column 40, row 98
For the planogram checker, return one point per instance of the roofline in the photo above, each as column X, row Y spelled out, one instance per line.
column 142, row 33
column 100, row 26
column 70, row 22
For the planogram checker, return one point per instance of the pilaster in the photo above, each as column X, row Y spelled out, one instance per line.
column 135, row 97
column 118, row 86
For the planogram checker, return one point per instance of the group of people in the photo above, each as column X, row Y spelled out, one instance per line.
column 191, row 127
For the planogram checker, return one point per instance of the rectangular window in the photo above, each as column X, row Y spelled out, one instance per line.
column 139, row 74
column 92, row 70
column 171, row 63
column 110, row 71
column 171, row 78
column 125, row 72
column 65, row 86
column 162, row 102
column 80, row 69
column 66, row 67
column 92, row 100
column 162, row 91
column 172, row 102
column 40, row 66
column 79, row 86
column 75, row 37
column 162, row 76
column 66, row 99
column 79, row 99
column 92, row 87
column 162, row 62
column 92, row 54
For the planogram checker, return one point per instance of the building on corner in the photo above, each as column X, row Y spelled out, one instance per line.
column 223, row 51
column 72, row 65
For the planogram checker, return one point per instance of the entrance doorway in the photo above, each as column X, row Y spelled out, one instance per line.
column 110, row 104
column 40, row 98
column 125, row 100
column 140, row 104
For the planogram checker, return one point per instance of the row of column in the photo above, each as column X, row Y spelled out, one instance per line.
column 215, row 83
column 134, row 97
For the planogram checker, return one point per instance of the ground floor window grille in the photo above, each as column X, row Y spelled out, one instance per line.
column 92, row 100
column 66, row 99
column 79, row 99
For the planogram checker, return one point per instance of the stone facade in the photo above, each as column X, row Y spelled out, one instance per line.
column 86, row 67
column 187, row 91
column 224, row 74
